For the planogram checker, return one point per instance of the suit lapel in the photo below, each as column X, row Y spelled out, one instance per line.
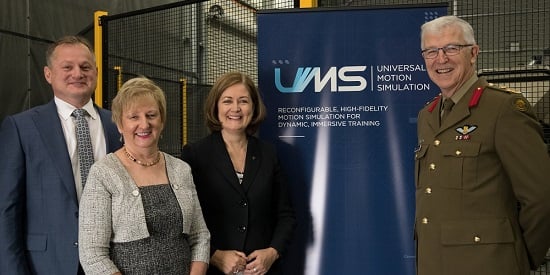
column 112, row 136
column 433, row 119
column 252, row 164
column 459, row 112
column 48, row 125
column 462, row 109
column 225, row 165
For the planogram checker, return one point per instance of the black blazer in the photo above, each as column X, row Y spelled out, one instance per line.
column 253, row 215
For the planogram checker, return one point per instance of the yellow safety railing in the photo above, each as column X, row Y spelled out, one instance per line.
column 184, row 125
column 118, row 77
column 98, row 49
column 308, row 4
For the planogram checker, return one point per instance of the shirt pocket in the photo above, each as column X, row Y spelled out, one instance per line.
column 459, row 163
column 477, row 232
column 483, row 244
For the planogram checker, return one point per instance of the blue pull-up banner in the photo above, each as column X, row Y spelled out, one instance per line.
column 343, row 89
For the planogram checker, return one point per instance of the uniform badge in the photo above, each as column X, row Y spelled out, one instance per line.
column 520, row 105
column 419, row 146
column 465, row 131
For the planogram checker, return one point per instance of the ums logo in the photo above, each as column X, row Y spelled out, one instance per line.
column 304, row 75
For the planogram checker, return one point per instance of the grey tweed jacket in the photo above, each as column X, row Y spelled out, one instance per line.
column 111, row 210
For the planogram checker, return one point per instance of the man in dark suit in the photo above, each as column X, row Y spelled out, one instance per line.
column 482, row 170
column 40, row 183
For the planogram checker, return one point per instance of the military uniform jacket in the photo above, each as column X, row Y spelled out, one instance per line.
column 482, row 186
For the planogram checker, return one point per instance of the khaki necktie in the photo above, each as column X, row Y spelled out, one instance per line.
column 447, row 106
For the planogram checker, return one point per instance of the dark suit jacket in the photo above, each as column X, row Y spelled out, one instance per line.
column 472, row 173
column 38, row 202
column 255, row 215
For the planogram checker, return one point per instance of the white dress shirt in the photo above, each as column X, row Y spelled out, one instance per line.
column 64, row 110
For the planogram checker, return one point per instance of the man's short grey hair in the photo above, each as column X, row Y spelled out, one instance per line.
column 438, row 24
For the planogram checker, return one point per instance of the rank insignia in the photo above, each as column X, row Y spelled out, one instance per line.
column 465, row 132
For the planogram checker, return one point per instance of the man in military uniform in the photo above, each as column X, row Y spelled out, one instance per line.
column 482, row 170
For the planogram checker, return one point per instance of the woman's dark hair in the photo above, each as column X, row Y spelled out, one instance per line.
column 225, row 81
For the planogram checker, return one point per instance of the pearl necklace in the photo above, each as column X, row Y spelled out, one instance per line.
column 146, row 164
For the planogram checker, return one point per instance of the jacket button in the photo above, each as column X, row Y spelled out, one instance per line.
column 243, row 204
column 432, row 166
column 425, row 220
column 135, row 193
column 477, row 239
column 437, row 142
column 75, row 244
column 428, row 190
column 242, row 228
column 458, row 152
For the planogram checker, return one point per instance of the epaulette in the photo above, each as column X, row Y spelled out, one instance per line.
column 433, row 103
column 503, row 89
column 520, row 103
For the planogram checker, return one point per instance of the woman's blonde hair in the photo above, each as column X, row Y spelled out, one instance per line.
column 131, row 91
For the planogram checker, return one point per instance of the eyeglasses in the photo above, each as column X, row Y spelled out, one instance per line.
column 448, row 50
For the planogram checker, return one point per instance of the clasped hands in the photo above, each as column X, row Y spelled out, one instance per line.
column 232, row 262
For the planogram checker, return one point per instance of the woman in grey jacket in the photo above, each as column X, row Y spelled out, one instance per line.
column 139, row 212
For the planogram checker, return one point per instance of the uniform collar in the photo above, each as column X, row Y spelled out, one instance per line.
column 456, row 97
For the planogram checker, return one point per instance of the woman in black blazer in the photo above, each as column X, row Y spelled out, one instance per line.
column 240, row 185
